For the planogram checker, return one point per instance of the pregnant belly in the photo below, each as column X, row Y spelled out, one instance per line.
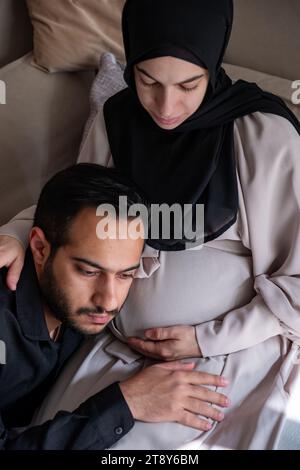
column 189, row 288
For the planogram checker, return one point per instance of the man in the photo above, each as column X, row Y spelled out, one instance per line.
column 72, row 284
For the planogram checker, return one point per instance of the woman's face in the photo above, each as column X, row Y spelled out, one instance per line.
column 170, row 89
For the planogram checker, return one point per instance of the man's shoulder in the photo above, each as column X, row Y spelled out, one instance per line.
column 3, row 286
column 7, row 298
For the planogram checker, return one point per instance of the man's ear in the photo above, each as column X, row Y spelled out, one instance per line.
column 40, row 247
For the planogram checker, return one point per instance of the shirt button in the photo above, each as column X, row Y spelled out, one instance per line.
column 119, row 430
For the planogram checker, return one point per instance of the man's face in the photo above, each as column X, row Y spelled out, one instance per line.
column 87, row 281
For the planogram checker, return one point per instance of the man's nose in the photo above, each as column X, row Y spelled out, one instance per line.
column 105, row 295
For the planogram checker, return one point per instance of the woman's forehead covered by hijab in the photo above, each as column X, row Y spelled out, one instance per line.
column 202, row 27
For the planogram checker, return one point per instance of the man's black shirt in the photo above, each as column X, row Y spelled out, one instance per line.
column 32, row 363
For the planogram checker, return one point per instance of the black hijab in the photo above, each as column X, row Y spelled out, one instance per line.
column 194, row 163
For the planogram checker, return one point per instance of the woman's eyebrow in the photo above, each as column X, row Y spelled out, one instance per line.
column 189, row 80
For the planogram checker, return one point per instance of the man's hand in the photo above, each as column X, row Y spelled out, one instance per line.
column 168, row 344
column 174, row 392
column 12, row 256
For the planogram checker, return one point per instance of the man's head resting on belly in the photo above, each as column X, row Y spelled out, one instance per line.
column 85, row 257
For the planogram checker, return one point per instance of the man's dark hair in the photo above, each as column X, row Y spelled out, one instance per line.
column 76, row 188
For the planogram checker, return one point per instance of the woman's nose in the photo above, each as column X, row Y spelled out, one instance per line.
column 166, row 104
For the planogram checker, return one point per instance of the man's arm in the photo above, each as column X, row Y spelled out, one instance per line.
column 171, row 392
column 96, row 424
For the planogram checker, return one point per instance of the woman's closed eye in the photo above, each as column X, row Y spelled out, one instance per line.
column 150, row 84
column 188, row 90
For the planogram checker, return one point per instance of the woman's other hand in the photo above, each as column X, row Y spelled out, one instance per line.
column 169, row 343
column 12, row 256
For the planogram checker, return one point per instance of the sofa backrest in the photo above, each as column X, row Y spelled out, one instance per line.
column 266, row 35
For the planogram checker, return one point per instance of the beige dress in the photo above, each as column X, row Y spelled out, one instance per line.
column 242, row 291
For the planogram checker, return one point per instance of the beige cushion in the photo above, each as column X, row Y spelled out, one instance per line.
column 41, row 129
column 266, row 37
column 72, row 35
column 279, row 86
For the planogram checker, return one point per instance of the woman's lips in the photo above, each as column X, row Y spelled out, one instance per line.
column 98, row 319
column 167, row 122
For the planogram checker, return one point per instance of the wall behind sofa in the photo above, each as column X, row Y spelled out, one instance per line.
column 15, row 30
column 266, row 37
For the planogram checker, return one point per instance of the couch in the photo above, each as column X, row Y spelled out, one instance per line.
column 44, row 115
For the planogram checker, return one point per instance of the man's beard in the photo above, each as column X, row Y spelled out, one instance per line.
column 59, row 304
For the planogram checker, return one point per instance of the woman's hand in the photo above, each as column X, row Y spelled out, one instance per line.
column 12, row 256
column 169, row 344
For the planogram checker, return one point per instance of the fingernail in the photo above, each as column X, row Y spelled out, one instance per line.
column 208, row 426
column 190, row 364
column 221, row 416
column 224, row 381
column 227, row 402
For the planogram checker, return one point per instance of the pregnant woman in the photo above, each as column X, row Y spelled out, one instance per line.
column 184, row 133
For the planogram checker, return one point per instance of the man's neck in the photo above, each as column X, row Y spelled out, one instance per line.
column 53, row 324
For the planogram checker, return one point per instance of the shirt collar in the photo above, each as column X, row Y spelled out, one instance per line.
column 29, row 303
